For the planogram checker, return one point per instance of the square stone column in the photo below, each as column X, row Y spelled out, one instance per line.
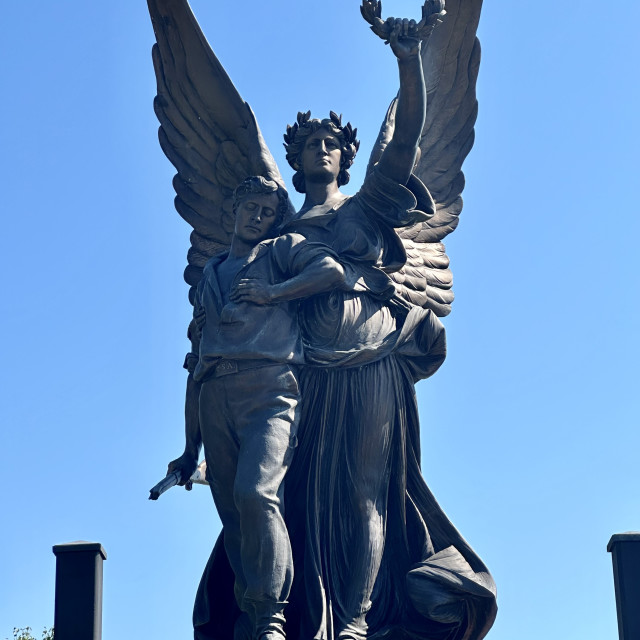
column 78, row 608
column 625, row 550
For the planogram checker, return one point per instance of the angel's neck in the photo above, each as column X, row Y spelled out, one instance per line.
column 318, row 193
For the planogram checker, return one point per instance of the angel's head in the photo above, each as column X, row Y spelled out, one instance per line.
column 260, row 207
column 309, row 137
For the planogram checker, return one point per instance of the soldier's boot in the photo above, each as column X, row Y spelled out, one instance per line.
column 269, row 621
column 357, row 628
column 354, row 631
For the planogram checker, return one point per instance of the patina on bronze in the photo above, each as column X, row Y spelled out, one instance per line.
column 373, row 555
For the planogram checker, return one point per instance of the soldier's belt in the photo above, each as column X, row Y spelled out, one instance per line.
column 227, row 367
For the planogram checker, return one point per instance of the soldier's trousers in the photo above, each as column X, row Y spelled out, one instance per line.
column 248, row 422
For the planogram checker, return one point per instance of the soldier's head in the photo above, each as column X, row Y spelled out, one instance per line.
column 260, row 207
column 320, row 150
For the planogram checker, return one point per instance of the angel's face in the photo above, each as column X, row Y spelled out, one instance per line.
column 255, row 217
column 321, row 156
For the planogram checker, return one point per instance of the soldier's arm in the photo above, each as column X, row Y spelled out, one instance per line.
column 188, row 461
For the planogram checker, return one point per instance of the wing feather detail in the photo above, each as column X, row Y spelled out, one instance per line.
column 207, row 131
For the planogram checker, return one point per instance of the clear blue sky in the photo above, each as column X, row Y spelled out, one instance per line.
column 530, row 429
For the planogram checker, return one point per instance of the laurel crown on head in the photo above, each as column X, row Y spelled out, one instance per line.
column 296, row 137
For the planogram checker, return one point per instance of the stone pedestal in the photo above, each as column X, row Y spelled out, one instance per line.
column 625, row 550
column 78, row 608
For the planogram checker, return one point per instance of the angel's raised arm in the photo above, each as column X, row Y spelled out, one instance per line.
column 450, row 61
column 399, row 155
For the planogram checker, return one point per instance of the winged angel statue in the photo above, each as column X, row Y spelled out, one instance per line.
column 367, row 551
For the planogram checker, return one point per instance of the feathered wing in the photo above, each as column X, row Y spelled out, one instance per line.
column 206, row 130
column 451, row 58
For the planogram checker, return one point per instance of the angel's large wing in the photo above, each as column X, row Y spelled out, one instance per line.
column 207, row 131
column 451, row 58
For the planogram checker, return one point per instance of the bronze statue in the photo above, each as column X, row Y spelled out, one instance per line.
column 373, row 554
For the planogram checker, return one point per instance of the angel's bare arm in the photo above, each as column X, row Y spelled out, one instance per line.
column 319, row 276
column 400, row 154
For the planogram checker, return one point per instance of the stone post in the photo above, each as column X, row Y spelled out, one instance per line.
column 78, row 608
column 625, row 550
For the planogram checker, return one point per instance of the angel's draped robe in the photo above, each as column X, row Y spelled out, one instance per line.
column 359, row 433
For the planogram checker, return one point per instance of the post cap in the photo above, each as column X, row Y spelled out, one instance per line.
column 81, row 545
column 629, row 536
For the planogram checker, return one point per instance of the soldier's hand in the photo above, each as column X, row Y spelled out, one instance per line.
column 186, row 465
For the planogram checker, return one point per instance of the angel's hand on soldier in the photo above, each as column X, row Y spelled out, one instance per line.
column 254, row 291
column 186, row 465
column 403, row 39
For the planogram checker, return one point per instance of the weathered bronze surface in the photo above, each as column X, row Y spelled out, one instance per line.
column 310, row 330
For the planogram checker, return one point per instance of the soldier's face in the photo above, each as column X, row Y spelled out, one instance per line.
column 321, row 156
column 255, row 217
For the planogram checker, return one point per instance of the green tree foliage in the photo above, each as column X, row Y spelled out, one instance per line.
column 25, row 634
